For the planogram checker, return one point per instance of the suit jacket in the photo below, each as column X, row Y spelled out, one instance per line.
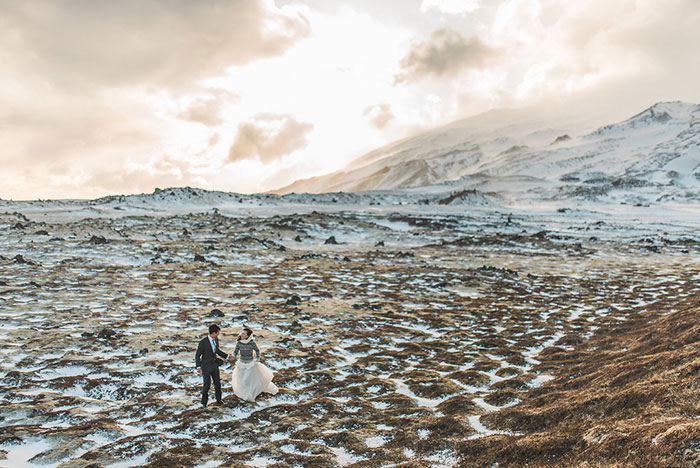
column 205, row 357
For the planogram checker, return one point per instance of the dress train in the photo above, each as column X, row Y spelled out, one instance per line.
column 250, row 379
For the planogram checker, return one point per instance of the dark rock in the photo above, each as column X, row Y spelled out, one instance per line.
column 495, row 271
column 87, row 334
column 456, row 196
column 331, row 241
column 13, row 378
column 514, row 149
column 592, row 192
column 107, row 334
column 42, row 232
column 143, row 351
column 98, row 240
column 294, row 300
column 216, row 313
column 631, row 182
column 561, row 139
column 379, row 244
column 282, row 248
column 311, row 256
column 346, row 259
column 569, row 178
column 3, row 283
column 288, row 342
column 18, row 226
column 295, row 324
column 199, row 258
column 20, row 259
column 297, row 238
column 185, row 232
column 367, row 306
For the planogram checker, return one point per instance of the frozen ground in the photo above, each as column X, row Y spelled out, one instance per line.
column 417, row 323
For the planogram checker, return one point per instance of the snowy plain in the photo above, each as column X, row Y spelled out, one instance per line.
column 420, row 315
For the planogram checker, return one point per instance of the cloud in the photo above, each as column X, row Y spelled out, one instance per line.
column 451, row 7
column 269, row 137
column 141, row 177
column 206, row 110
column 379, row 115
column 93, row 84
column 146, row 42
column 626, row 50
column 446, row 54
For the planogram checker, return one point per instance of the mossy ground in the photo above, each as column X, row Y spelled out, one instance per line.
column 568, row 349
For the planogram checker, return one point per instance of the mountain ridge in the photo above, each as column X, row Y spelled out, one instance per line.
column 566, row 157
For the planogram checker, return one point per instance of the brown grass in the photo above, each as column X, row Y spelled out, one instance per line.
column 629, row 397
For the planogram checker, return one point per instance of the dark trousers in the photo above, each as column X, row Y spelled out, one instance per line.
column 210, row 374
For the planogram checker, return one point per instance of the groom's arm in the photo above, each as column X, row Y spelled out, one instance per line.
column 198, row 355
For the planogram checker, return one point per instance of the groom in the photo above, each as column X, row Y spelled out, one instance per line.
column 208, row 364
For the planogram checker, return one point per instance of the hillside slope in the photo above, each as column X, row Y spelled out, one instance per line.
column 651, row 157
column 629, row 397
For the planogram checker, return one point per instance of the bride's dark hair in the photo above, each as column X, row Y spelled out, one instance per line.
column 248, row 331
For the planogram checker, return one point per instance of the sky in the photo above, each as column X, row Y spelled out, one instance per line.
column 102, row 97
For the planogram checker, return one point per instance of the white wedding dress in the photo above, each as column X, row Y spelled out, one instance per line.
column 252, row 378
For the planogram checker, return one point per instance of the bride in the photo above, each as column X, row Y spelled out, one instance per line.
column 250, row 377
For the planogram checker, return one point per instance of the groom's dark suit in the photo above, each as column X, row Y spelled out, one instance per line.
column 207, row 360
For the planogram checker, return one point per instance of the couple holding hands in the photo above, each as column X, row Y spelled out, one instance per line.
column 250, row 377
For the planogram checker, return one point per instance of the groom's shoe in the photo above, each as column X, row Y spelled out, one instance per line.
column 218, row 403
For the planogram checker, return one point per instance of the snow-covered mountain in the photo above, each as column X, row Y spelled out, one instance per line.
column 651, row 157
column 505, row 158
